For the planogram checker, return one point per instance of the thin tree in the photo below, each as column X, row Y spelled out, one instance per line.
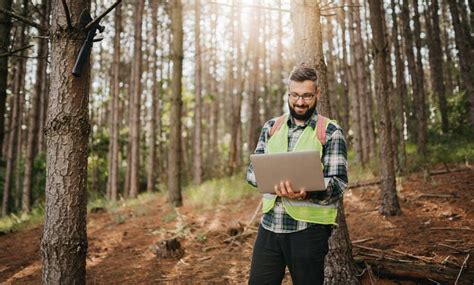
column 13, row 142
column 113, row 162
column 174, row 153
column 400, row 88
column 436, row 61
column 136, row 102
column 197, row 145
column 5, row 27
column 390, row 205
column 465, row 55
column 340, row 266
column 64, row 242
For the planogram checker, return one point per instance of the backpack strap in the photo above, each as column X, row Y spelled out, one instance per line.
column 321, row 128
column 277, row 125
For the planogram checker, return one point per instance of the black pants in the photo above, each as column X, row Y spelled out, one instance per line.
column 303, row 252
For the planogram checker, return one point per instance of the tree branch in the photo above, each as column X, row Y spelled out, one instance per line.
column 68, row 15
column 15, row 51
column 96, row 20
column 23, row 19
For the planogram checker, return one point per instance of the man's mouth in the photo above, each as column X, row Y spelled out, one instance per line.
column 300, row 109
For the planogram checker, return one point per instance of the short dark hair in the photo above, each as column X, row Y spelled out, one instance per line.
column 303, row 72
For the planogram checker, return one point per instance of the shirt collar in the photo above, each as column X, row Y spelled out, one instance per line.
column 311, row 121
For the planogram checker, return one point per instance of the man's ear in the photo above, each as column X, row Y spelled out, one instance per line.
column 318, row 93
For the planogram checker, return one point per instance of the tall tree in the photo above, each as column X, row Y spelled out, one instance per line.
column 436, row 61
column 390, row 205
column 64, row 242
column 340, row 267
column 14, row 143
column 465, row 55
column 33, row 120
column 197, row 145
column 155, row 94
column 254, row 106
column 174, row 157
column 136, row 102
column 5, row 27
column 113, row 162
column 420, row 96
column 354, row 91
column 412, row 66
column 400, row 89
column 234, row 153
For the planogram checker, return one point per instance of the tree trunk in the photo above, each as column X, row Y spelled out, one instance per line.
column 13, row 148
column 151, row 165
column 390, row 204
column 436, row 61
column 412, row 68
column 64, row 242
column 232, row 164
column 354, row 94
column 420, row 101
column 113, row 162
column 174, row 157
column 400, row 86
column 197, row 145
column 254, row 106
column 33, row 120
column 136, row 102
column 340, row 267
column 465, row 58
column 5, row 26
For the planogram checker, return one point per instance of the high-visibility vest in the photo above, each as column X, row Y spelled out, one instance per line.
column 302, row 210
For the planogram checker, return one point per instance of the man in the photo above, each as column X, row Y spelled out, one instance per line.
column 296, row 224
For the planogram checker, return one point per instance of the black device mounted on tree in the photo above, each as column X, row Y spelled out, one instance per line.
column 86, row 48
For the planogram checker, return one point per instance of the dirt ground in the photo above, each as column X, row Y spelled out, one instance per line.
column 436, row 225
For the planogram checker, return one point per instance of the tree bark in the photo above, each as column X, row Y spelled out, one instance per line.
column 5, row 27
column 340, row 267
column 354, row 94
column 436, row 61
column 412, row 67
column 465, row 55
column 136, row 102
column 33, row 120
column 174, row 157
column 390, row 205
column 400, row 89
column 232, row 164
column 113, row 162
column 64, row 242
column 13, row 148
column 420, row 99
column 197, row 145
column 254, row 106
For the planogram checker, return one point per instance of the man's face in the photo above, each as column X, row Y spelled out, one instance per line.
column 302, row 99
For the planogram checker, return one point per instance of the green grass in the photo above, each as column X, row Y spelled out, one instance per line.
column 217, row 191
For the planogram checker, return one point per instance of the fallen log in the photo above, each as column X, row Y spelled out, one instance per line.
column 383, row 267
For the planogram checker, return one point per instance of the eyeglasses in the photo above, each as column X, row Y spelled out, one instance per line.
column 307, row 97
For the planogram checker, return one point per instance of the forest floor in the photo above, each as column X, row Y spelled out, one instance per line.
column 436, row 225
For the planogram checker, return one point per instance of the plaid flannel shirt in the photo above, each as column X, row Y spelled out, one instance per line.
column 334, row 159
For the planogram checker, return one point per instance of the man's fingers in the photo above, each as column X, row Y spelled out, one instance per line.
column 283, row 189
column 288, row 187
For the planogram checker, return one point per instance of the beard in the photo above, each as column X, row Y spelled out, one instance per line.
column 302, row 117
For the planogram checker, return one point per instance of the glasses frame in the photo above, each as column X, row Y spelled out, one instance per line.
column 292, row 97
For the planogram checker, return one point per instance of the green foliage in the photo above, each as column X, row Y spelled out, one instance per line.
column 201, row 237
column 14, row 222
column 217, row 191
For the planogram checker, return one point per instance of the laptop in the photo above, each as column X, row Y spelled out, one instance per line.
column 302, row 169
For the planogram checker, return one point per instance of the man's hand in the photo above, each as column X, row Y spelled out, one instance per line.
column 284, row 189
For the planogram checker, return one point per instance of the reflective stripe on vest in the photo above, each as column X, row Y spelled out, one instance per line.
column 299, row 210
